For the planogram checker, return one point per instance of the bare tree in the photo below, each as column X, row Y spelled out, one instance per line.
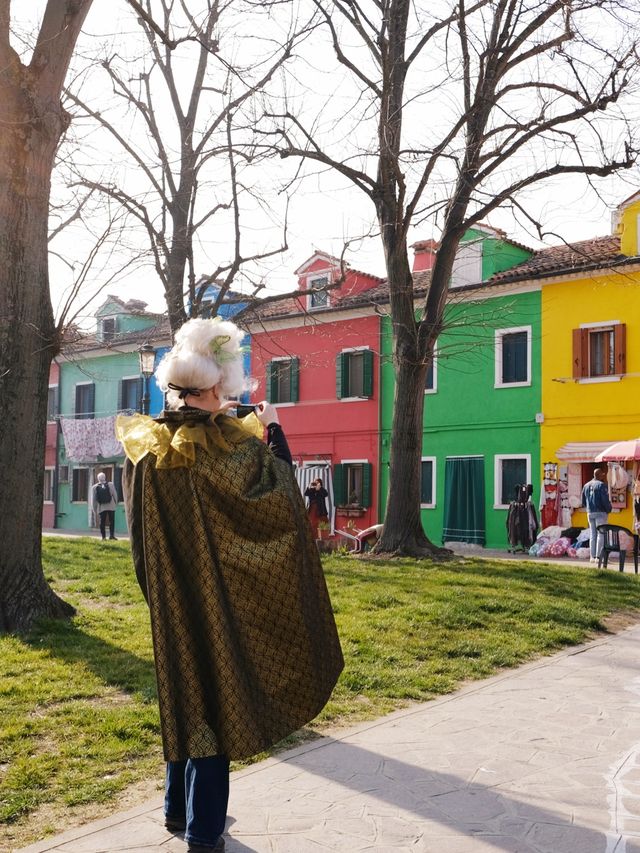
column 185, row 181
column 469, row 104
column 33, row 120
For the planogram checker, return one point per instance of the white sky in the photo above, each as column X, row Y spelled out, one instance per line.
column 324, row 212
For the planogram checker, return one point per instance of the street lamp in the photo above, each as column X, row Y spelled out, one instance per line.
column 147, row 356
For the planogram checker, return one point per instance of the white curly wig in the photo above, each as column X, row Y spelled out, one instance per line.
column 205, row 353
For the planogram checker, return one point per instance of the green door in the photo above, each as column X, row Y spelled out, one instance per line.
column 464, row 500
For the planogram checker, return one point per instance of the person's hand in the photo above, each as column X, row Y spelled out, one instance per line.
column 267, row 413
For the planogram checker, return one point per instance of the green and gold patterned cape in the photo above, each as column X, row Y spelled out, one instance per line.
column 245, row 643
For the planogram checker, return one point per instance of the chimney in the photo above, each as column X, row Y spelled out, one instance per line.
column 424, row 254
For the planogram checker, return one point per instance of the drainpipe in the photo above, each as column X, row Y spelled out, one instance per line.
column 379, row 478
column 56, row 467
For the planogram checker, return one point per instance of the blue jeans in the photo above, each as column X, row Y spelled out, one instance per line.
column 197, row 792
column 597, row 540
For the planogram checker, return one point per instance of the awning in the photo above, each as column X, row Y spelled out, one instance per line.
column 581, row 451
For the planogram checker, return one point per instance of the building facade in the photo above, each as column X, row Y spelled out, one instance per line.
column 98, row 376
column 590, row 364
column 482, row 398
column 316, row 357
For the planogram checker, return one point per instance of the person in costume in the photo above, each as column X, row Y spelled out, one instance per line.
column 245, row 643
column 317, row 496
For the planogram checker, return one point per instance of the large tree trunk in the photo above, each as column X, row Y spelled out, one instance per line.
column 32, row 123
column 403, row 533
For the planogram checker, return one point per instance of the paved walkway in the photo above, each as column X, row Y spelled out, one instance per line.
column 542, row 759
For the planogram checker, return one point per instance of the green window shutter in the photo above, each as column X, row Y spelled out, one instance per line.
column 367, row 381
column 342, row 375
column 339, row 485
column 294, row 367
column 121, row 400
column 269, row 390
column 366, row 484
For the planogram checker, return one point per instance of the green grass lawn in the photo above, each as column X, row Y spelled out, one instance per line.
column 78, row 717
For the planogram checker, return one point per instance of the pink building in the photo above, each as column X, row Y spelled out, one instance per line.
column 316, row 357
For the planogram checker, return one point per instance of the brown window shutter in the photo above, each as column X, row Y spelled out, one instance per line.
column 580, row 353
column 620, row 347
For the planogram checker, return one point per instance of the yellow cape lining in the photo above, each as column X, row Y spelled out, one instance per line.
column 176, row 447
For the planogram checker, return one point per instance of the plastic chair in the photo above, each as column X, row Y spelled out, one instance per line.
column 611, row 537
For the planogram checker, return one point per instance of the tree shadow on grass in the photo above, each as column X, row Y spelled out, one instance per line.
column 112, row 664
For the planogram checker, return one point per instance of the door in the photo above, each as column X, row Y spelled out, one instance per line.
column 464, row 500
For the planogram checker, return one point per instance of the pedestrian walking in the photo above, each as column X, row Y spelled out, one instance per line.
column 245, row 643
column 104, row 500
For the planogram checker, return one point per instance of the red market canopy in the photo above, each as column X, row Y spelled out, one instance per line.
column 621, row 451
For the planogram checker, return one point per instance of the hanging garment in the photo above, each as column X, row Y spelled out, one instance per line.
column 79, row 439
column 107, row 444
column 522, row 520
column 88, row 439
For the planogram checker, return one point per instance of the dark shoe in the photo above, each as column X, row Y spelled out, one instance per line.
column 174, row 824
column 201, row 848
column 112, row 537
column 103, row 538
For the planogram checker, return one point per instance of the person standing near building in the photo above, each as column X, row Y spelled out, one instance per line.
column 317, row 496
column 104, row 500
column 595, row 499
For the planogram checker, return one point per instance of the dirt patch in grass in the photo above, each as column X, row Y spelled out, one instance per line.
column 48, row 819
column 617, row 621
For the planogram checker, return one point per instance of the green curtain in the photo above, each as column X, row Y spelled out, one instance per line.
column 464, row 500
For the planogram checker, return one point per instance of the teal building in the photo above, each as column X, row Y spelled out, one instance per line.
column 100, row 377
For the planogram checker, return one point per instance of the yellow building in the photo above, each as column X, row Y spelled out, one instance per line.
column 590, row 361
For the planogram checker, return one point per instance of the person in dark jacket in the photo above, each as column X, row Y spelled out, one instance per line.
column 245, row 643
column 595, row 499
column 317, row 496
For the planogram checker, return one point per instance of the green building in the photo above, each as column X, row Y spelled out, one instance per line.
column 483, row 396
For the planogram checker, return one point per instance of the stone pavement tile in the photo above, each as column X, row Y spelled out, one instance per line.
column 565, row 838
column 128, row 836
column 481, row 843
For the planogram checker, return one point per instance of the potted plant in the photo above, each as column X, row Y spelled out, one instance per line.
column 323, row 528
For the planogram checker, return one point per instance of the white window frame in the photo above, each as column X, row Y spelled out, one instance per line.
column 310, row 280
column 80, row 468
column 595, row 380
column 431, row 459
column 434, row 390
column 75, row 397
column 51, row 469
column 111, row 318
column 135, row 376
column 497, row 475
column 354, row 461
column 355, row 399
column 499, row 335
column 282, row 358
column 50, row 388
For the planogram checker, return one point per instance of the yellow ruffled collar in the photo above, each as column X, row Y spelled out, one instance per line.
column 173, row 438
